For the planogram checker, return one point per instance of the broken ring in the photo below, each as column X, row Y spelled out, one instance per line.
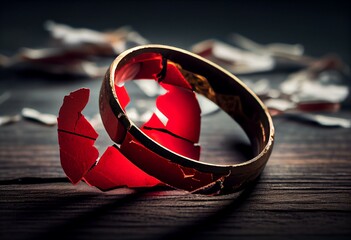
column 163, row 63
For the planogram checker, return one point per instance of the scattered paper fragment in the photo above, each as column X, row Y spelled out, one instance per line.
column 313, row 91
column 234, row 59
column 9, row 119
column 75, row 51
column 44, row 118
column 281, row 105
column 108, row 42
column 272, row 48
column 321, row 120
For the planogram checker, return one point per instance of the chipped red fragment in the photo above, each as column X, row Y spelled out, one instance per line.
column 151, row 65
column 76, row 136
column 70, row 117
column 175, row 125
column 166, row 171
column 174, row 143
column 178, row 109
column 182, row 111
column 123, row 96
column 174, row 77
column 115, row 170
column 78, row 154
column 144, row 66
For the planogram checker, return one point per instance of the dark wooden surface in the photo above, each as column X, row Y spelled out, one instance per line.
column 304, row 192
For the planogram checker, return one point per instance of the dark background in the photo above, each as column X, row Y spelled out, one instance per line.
column 321, row 26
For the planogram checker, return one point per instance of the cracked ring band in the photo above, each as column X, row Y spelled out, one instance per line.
column 206, row 78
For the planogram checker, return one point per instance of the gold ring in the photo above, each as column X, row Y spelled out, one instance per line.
column 206, row 78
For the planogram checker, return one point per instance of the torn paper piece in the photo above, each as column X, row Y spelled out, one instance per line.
column 74, row 51
column 44, row 118
column 282, row 105
column 4, row 120
column 272, row 48
column 304, row 86
column 324, row 72
column 313, row 91
column 106, row 43
column 53, row 61
column 234, row 59
column 322, row 120
column 286, row 56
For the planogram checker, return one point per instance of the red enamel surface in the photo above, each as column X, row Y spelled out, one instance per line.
column 78, row 154
column 115, row 170
column 182, row 109
column 179, row 133
column 166, row 171
column 179, row 105
column 151, row 65
column 144, row 66
column 175, row 144
column 70, row 117
column 76, row 136
column 175, row 77
column 123, row 96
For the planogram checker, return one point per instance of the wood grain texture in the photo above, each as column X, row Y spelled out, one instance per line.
column 303, row 193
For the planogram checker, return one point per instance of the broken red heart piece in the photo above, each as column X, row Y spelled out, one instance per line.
column 78, row 154
column 174, row 143
column 174, row 77
column 115, row 170
column 164, row 147
column 76, row 136
column 182, row 113
column 175, row 175
column 165, row 150
column 177, row 112
column 144, row 66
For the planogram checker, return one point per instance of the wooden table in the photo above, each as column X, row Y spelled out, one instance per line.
column 303, row 193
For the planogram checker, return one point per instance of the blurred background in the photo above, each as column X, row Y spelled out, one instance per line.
column 320, row 26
